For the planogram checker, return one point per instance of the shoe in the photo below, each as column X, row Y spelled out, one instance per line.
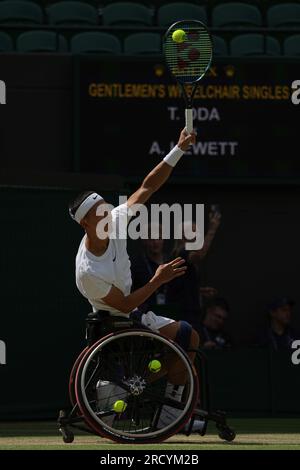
column 198, row 426
column 107, row 394
column 169, row 415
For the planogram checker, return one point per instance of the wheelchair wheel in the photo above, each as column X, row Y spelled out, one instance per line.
column 72, row 394
column 121, row 398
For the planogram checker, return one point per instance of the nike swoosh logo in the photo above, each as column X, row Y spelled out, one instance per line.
column 114, row 258
column 95, row 197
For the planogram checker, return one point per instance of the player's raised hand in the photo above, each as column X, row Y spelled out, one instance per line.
column 186, row 139
column 167, row 272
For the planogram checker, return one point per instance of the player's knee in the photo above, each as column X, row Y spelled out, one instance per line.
column 170, row 330
column 195, row 340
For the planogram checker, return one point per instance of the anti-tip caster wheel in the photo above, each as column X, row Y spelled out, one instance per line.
column 226, row 434
column 67, row 435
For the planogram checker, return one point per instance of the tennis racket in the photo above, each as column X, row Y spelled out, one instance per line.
column 189, row 59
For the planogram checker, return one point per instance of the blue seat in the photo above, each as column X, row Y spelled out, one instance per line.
column 254, row 45
column 172, row 12
column 236, row 14
column 127, row 14
column 6, row 43
column 97, row 42
column 20, row 12
column 41, row 41
column 291, row 46
column 220, row 47
column 143, row 43
column 284, row 15
column 72, row 13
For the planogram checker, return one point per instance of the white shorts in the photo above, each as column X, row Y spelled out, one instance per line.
column 155, row 322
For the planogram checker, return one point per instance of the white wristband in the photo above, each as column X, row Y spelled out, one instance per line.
column 174, row 156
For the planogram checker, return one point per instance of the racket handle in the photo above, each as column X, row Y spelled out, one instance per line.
column 189, row 120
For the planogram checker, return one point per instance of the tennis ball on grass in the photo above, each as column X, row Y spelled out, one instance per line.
column 154, row 366
column 120, row 406
column 179, row 35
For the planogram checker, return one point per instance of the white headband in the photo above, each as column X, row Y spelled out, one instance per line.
column 86, row 205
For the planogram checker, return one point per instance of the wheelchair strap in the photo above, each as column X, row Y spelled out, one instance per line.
column 183, row 336
column 136, row 315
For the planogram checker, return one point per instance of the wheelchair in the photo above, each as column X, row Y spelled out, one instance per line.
column 116, row 392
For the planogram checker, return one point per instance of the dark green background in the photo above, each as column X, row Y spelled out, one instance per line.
column 42, row 314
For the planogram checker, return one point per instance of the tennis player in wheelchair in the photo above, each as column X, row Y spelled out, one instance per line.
column 135, row 381
column 103, row 273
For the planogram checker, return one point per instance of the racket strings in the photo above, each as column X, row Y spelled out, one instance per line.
column 189, row 60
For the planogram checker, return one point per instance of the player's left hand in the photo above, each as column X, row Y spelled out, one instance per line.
column 185, row 140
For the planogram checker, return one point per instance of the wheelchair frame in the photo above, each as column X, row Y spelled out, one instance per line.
column 99, row 327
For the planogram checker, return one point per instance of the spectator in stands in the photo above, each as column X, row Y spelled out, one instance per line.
column 212, row 331
column 143, row 267
column 186, row 293
column 279, row 334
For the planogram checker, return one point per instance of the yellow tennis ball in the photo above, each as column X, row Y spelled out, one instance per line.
column 120, row 406
column 154, row 366
column 179, row 35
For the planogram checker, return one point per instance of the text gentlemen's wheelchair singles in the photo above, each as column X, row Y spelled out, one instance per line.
column 118, row 386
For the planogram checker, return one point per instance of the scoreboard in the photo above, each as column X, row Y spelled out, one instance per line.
column 130, row 112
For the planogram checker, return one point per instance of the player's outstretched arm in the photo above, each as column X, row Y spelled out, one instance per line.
column 159, row 175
